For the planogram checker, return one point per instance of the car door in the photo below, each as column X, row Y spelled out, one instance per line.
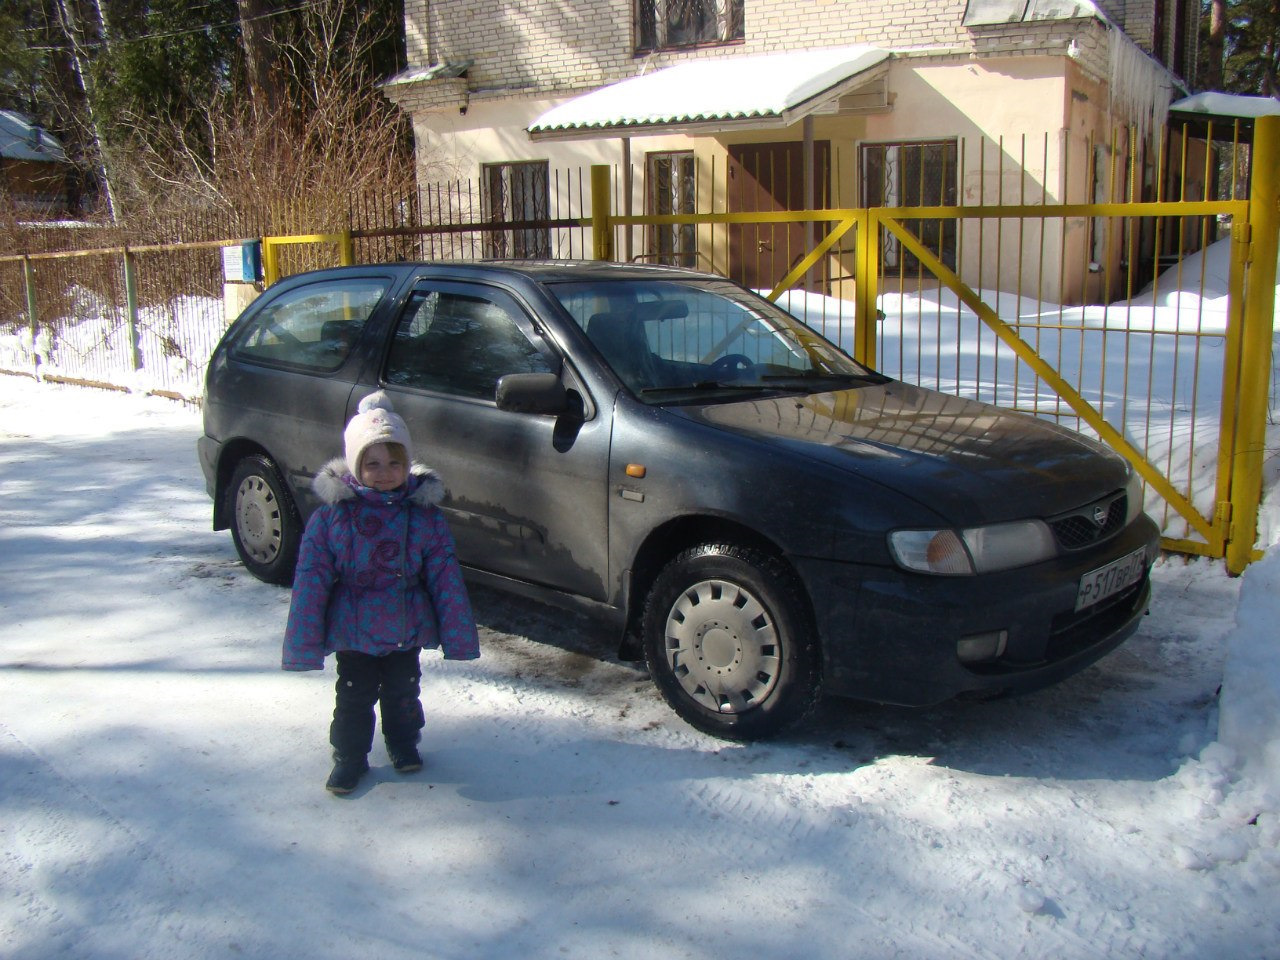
column 525, row 493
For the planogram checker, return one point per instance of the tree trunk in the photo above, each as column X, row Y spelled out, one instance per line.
column 257, row 36
column 1214, row 46
column 80, row 65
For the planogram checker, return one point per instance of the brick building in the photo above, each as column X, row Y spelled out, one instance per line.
column 815, row 102
column 34, row 170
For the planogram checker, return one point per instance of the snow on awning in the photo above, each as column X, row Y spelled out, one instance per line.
column 20, row 139
column 1227, row 105
column 769, row 90
column 439, row 71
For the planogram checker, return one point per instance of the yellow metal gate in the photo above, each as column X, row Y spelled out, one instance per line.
column 1170, row 395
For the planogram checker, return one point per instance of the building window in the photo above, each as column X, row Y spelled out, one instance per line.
column 1170, row 35
column 913, row 175
column 516, row 192
column 662, row 24
column 671, row 189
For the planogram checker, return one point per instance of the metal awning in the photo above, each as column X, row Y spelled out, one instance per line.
column 1228, row 105
column 706, row 96
column 1224, row 116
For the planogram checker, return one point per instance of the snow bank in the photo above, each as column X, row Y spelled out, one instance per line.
column 1249, row 719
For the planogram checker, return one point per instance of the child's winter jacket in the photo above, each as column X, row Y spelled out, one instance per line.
column 377, row 573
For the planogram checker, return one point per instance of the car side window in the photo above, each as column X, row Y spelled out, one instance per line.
column 460, row 343
column 313, row 327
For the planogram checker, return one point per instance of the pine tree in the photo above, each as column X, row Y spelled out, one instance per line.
column 1241, row 46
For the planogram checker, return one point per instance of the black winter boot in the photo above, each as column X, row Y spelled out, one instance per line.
column 346, row 774
column 405, row 758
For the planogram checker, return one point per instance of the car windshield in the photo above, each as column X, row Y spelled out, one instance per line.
column 674, row 341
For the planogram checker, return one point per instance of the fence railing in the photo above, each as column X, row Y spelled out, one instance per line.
column 1039, row 306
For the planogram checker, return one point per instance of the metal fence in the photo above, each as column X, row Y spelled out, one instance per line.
column 1100, row 284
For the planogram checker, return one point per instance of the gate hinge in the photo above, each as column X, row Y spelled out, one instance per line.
column 1222, row 515
column 1242, row 233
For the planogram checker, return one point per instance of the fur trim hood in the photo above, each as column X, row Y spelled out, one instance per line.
column 334, row 483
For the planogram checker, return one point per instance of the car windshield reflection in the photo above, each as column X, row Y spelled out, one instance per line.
column 673, row 339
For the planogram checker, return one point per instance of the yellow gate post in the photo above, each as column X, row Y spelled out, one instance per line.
column 601, row 228
column 270, row 262
column 866, row 288
column 1255, row 366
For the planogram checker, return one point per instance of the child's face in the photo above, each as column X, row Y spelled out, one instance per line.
column 382, row 469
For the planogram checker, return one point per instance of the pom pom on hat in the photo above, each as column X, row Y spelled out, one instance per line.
column 376, row 421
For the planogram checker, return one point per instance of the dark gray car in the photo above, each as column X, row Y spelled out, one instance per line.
column 760, row 517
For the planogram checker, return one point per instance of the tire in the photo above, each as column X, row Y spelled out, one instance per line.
column 265, row 525
column 730, row 643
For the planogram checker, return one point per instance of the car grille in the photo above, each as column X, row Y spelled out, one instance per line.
column 1091, row 524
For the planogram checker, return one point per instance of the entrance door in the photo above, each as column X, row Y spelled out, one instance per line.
column 768, row 177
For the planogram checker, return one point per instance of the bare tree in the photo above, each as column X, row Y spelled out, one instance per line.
column 81, row 67
column 296, row 164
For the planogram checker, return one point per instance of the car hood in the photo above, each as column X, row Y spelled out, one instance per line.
column 969, row 462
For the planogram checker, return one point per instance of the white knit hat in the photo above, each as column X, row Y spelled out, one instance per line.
column 375, row 422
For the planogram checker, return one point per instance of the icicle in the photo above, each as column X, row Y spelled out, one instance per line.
column 1141, row 89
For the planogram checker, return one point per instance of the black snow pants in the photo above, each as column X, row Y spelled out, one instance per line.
column 393, row 681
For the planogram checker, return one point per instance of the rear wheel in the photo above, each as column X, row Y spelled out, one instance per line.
column 729, row 642
column 265, row 525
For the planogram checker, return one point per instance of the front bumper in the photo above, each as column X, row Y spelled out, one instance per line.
column 890, row 636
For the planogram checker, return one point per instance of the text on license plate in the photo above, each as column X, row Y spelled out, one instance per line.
column 1097, row 585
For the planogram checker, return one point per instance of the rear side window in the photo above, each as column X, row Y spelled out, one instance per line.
column 313, row 327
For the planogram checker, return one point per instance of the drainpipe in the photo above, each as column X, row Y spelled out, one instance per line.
column 627, row 204
column 806, row 161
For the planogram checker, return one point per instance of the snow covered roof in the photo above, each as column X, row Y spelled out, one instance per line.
column 20, row 139
column 774, row 89
column 1227, row 105
column 992, row 12
column 439, row 71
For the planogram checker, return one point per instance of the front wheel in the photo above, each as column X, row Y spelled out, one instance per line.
column 729, row 642
column 265, row 525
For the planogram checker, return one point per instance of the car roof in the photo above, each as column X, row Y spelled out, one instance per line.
column 537, row 271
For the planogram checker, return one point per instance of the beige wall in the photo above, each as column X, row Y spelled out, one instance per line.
column 1021, row 121
column 1027, row 102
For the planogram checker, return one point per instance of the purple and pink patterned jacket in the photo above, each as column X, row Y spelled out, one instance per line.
column 377, row 573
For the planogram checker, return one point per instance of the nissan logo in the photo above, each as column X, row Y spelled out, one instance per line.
column 1100, row 515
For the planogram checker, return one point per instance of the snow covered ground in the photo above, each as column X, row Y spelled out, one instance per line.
column 161, row 779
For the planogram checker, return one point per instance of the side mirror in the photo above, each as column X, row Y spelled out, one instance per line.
column 539, row 393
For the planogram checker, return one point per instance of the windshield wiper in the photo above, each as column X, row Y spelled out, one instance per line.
column 755, row 386
column 811, row 377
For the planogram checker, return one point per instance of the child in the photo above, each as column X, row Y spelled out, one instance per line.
column 377, row 580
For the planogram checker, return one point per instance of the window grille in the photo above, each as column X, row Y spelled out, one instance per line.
column 514, row 192
column 671, row 189
column 662, row 24
column 913, row 175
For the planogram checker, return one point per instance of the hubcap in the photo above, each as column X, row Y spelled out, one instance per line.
column 722, row 646
column 258, row 519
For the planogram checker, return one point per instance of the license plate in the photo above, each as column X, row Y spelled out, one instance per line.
column 1097, row 585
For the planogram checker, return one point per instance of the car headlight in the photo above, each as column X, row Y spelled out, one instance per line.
column 1134, row 492
column 973, row 550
